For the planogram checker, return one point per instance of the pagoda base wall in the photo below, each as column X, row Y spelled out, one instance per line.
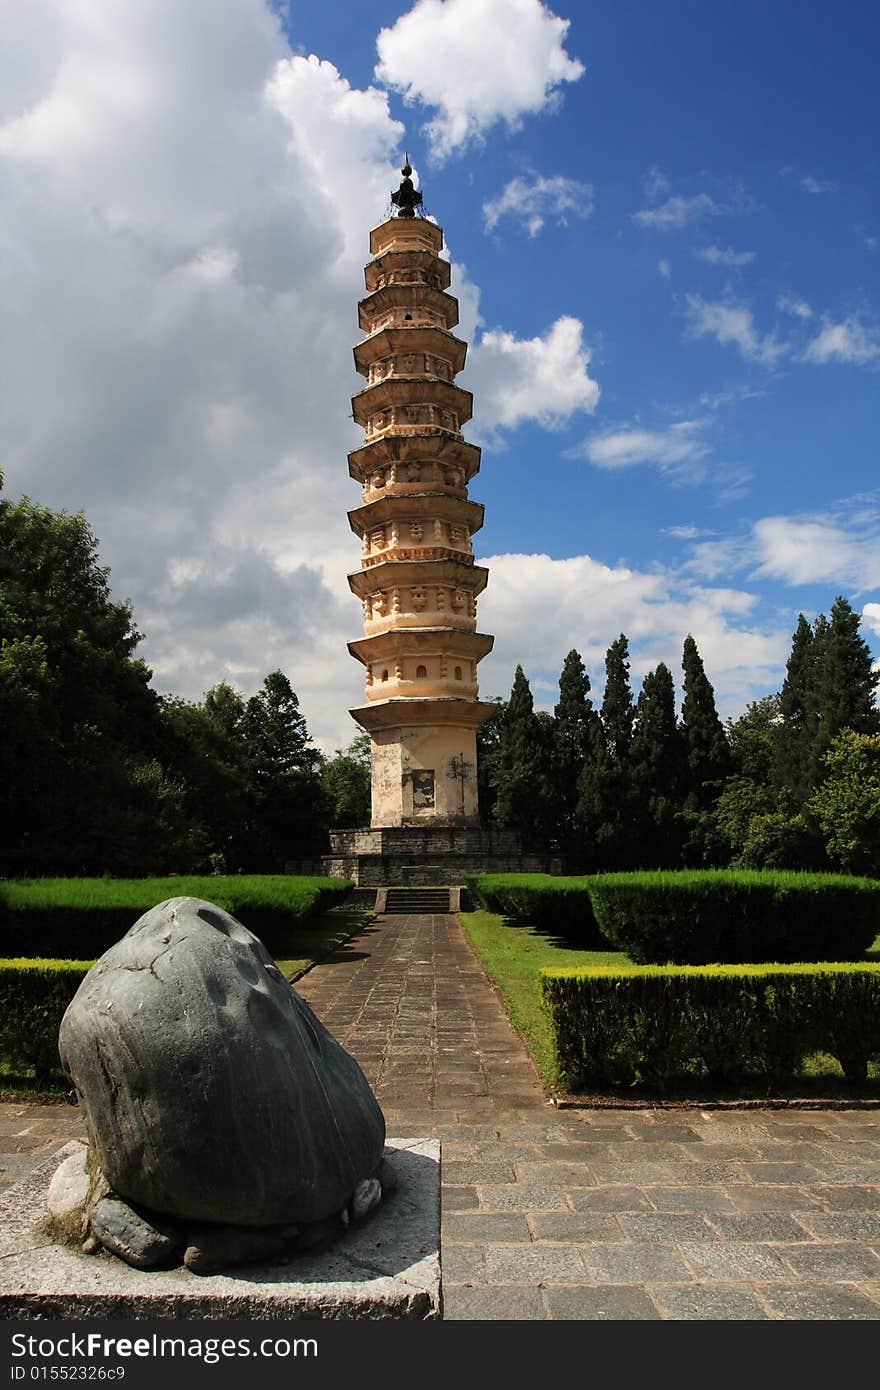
column 436, row 855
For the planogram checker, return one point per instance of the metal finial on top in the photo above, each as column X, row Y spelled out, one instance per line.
column 406, row 198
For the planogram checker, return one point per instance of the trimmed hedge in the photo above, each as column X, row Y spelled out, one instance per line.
column 83, row 917
column 694, row 918
column 546, row 901
column 653, row 1024
column 33, row 998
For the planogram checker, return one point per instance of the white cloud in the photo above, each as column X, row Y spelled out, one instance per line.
column 726, row 256
column 840, row 548
column 656, row 184
column 533, row 201
column 871, row 616
column 540, row 608
column 798, row 308
column 814, row 185
column 476, row 62
column 671, row 448
column 677, row 212
column 731, row 323
column 686, row 532
column 544, row 379
column 664, row 268
column 809, row 552
column 848, row 341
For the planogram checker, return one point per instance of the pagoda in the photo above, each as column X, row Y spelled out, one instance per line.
column 417, row 580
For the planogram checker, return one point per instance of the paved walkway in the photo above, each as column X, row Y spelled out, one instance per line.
column 580, row 1214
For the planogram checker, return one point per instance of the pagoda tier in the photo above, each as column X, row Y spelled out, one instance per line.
column 418, row 582
column 400, row 463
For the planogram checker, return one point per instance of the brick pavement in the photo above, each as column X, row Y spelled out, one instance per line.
column 613, row 1214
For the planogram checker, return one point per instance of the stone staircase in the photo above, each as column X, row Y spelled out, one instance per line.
column 410, row 901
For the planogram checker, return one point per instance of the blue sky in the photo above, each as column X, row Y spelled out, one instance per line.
column 665, row 234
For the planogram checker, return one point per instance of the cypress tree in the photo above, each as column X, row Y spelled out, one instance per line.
column 706, row 752
column 845, row 681
column 794, row 753
column 521, row 776
column 658, row 770
column 607, row 799
column 575, row 726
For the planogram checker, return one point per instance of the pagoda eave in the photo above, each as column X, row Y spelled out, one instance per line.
column 392, row 261
column 428, row 446
column 410, row 338
column 412, row 298
column 444, row 505
column 401, row 391
column 414, row 573
column 414, row 713
column 471, row 646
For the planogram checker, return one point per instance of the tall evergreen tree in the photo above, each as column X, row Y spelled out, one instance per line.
column 794, row 755
column 522, row 771
column 289, row 810
column 575, row 728
column 707, row 755
column 658, row 770
column 607, row 804
column 846, row 683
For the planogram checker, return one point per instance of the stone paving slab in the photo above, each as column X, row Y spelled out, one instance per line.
column 627, row 1214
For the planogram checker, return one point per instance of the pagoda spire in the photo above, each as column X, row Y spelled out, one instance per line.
column 418, row 582
column 406, row 198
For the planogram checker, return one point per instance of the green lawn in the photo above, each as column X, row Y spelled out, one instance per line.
column 513, row 954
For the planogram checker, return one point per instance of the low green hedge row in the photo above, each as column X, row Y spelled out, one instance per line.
column 83, row 917
column 696, row 917
column 561, row 906
column 653, row 1024
column 693, row 918
column 33, row 997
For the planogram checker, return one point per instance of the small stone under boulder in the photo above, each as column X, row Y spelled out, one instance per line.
column 213, row 1096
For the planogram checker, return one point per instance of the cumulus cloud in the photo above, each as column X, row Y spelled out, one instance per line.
column 848, row 341
column 725, row 256
column 664, row 268
column 674, row 449
column 541, row 607
column 871, row 616
column 840, row 548
column 533, row 201
column 798, row 308
column 544, row 379
column 677, row 212
column 731, row 323
column 476, row 62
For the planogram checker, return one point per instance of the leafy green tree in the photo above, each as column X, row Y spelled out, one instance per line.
column 346, row 782
column 658, row 771
column 288, row 808
column 753, row 738
column 575, row 729
column 793, row 758
column 488, row 754
column 73, row 698
column 847, row 804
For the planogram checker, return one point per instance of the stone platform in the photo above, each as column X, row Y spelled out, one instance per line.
column 428, row 856
column 388, row 1267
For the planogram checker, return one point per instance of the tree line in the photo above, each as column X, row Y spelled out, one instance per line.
column 99, row 773
column 794, row 782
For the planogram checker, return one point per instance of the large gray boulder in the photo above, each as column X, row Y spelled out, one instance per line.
column 210, row 1090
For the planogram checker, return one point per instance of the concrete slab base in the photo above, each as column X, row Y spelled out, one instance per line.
column 389, row 1267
